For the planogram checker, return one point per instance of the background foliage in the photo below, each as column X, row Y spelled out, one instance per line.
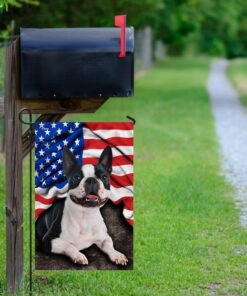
column 217, row 28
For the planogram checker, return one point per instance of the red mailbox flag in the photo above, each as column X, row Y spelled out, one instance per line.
column 120, row 21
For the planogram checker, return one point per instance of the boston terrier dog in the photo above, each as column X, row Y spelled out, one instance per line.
column 75, row 223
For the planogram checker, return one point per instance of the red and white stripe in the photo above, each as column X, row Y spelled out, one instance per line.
column 118, row 135
column 44, row 199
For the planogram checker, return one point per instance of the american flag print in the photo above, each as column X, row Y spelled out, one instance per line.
column 86, row 140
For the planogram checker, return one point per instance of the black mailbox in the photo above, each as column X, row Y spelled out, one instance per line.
column 76, row 63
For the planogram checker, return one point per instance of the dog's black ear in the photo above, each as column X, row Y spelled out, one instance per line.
column 106, row 158
column 69, row 161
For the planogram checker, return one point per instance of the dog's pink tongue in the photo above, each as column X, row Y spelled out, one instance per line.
column 92, row 197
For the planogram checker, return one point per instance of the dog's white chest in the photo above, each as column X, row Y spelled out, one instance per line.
column 84, row 239
column 82, row 228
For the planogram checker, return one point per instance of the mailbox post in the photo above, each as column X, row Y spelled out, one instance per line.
column 53, row 72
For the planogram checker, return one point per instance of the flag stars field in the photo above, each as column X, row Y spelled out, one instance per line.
column 41, row 152
column 53, row 166
column 47, row 145
column 41, row 139
column 65, row 142
column 59, row 131
column 41, row 125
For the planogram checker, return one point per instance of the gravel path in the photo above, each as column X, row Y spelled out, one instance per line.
column 231, row 127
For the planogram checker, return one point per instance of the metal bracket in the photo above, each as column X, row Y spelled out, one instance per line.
column 132, row 119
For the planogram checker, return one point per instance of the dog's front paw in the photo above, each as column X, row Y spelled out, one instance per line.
column 80, row 258
column 119, row 258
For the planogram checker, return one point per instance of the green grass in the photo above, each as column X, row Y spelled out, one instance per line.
column 237, row 72
column 187, row 230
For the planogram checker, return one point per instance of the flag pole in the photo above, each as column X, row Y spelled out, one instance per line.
column 29, row 136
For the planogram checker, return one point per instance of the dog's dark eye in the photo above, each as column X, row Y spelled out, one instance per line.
column 75, row 181
column 77, row 178
column 104, row 177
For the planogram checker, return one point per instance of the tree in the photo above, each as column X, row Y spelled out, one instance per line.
column 213, row 27
column 81, row 13
column 175, row 21
column 4, row 4
column 219, row 26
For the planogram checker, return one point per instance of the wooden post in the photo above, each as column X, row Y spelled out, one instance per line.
column 14, row 200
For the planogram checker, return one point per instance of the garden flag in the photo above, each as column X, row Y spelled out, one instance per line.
column 80, row 168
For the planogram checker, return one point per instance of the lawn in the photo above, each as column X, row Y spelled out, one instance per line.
column 188, row 239
column 238, row 74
